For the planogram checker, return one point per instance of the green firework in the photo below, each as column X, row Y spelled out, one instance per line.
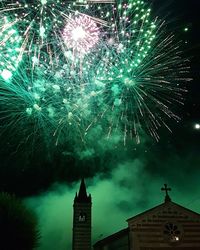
column 10, row 41
column 130, row 79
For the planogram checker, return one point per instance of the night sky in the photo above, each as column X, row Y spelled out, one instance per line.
column 122, row 179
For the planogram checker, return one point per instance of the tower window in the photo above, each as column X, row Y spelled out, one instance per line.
column 82, row 217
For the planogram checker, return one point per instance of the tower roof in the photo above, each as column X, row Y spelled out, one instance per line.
column 82, row 194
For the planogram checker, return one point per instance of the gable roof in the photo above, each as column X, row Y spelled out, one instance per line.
column 163, row 205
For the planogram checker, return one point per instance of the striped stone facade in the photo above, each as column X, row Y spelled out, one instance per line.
column 166, row 226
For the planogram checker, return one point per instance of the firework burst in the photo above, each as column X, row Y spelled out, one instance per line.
column 81, row 34
column 136, row 83
column 45, row 103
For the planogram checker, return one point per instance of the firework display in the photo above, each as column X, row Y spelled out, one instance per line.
column 86, row 64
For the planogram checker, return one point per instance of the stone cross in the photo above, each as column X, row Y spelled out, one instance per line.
column 166, row 189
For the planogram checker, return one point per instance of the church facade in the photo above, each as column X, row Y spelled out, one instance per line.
column 164, row 227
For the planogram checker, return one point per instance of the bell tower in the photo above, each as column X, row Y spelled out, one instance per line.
column 82, row 219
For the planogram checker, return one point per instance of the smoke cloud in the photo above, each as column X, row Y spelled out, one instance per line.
column 126, row 191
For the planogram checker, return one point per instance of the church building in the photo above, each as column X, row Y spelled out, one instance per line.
column 164, row 227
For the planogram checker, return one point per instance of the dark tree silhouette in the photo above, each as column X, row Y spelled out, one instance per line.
column 18, row 225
